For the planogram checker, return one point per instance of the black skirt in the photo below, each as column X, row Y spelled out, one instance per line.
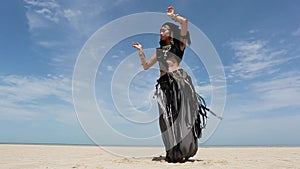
column 179, row 115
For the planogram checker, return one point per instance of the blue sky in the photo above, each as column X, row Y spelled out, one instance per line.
column 257, row 42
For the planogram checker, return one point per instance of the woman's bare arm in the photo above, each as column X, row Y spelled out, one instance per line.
column 184, row 25
column 146, row 64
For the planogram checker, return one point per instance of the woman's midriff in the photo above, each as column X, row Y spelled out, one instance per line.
column 172, row 64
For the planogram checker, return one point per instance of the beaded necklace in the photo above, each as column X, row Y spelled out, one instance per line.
column 166, row 49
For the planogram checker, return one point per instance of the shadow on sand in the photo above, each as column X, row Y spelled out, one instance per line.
column 162, row 159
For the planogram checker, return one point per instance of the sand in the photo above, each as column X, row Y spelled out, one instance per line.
column 93, row 157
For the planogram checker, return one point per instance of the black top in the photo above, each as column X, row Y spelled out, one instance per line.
column 163, row 55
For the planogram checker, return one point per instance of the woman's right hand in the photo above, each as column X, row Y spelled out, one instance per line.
column 137, row 45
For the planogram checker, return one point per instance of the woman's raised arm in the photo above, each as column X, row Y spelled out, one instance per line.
column 184, row 24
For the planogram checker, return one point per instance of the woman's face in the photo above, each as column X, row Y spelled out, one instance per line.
column 164, row 33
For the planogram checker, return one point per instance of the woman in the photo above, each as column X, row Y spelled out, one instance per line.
column 180, row 107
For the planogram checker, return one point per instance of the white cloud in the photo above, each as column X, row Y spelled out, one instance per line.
column 109, row 68
column 25, row 97
column 268, row 96
column 296, row 32
column 48, row 10
column 204, row 90
column 63, row 26
column 49, row 44
column 70, row 14
column 78, row 16
column 254, row 59
column 279, row 92
column 48, row 14
column 134, row 100
column 18, row 88
column 82, row 16
column 263, row 131
column 40, row 3
column 253, row 31
column 35, row 21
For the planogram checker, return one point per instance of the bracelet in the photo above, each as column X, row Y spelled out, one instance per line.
column 174, row 17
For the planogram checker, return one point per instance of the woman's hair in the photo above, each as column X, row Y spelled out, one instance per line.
column 175, row 34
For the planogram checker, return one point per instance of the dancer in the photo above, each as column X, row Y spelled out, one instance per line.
column 182, row 113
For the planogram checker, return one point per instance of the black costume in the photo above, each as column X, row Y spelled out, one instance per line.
column 182, row 113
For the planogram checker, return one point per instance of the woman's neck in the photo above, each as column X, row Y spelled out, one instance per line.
column 168, row 42
column 165, row 42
